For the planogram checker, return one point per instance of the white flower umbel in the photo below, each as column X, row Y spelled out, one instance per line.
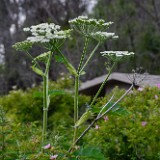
column 86, row 26
column 116, row 55
column 45, row 32
column 101, row 36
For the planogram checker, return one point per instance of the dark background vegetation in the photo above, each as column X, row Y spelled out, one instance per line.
column 136, row 22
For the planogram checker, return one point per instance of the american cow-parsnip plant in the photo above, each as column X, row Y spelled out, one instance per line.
column 50, row 37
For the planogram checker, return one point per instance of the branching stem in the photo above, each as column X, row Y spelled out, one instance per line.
column 103, row 84
column 90, row 56
column 97, row 118
column 83, row 55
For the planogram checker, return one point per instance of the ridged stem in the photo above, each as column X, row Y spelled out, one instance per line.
column 45, row 101
column 102, row 85
column 90, row 56
column 76, row 99
column 45, row 109
column 76, row 108
column 83, row 54
column 80, row 69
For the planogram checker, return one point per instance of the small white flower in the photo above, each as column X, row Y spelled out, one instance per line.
column 79, row 18
column 117, row 53
column 26, row 29
column 115, row 37
column 86, row 26
column 101, row 36
column 45, row 32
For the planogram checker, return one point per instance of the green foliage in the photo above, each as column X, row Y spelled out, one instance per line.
column 18, row 140
column 134, row 135
column 121, row 136
column 27, row 105
column 89, row 153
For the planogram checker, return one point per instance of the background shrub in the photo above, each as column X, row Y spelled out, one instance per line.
column 128, row 135
column 26, row 106
column 134, row 135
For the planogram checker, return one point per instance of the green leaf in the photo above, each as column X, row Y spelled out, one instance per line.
column 37, row 70
column 97, row 110
column 120, row 111
column 116, row 110
column 58, row 58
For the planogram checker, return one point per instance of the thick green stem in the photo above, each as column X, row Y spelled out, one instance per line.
column 102, row 85
column 45, row 108
column 83, row 54
column 45, row 101
column 76, row 99
column 76, row 106
column 80, row 69
column 77, row 88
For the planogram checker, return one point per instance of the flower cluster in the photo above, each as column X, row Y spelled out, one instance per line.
column 101, row 36
column 116, row 55
column 46, row 32
column 91, row 27
column 23, row 46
